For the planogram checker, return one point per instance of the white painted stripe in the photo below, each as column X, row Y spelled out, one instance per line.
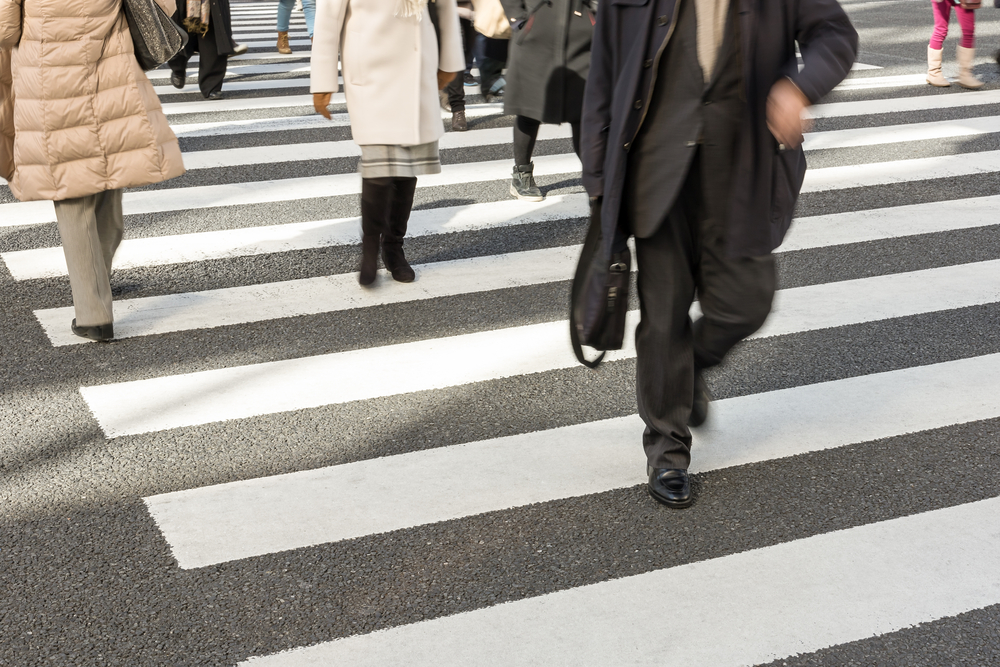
column 887, row 134
column 269, row 301
column 256, row 303
column 269, row 44
column 240, row 194
column 233, row 393
column 838, row 109
column 816, row 180
column 744, row 609
column 904, row 104
column 243, row 104
column 328, row 150
column 871, row 82
column 812, row 232
column 164, row 250
column 267, row 55
column 901, row 171
column 312, row 121
column 861, row 66
column 271, row 36
column 245, row 70
column 225, row 522
column 242, row 86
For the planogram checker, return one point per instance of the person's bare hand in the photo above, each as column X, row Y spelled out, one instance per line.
column 321, row 102
column 444, row 78
column 785, row 105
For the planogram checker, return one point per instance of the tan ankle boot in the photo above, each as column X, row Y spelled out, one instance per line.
column 283, row 46
column 966, row 79
column 934, row 76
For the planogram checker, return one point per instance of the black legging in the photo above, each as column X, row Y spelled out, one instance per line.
column 525, row 133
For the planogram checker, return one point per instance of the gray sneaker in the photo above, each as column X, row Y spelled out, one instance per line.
column 522, row 183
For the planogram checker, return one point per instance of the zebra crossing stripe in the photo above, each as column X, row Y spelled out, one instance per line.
column 254, row 303
column 222, row 244
column 231, row 86
column 744, row 609
column 888, row 134
column 311, row 122
column 226, row 522
column 247, row 193
column 175, row 401
column 824, row 305
column 291, row 189
column 245, row 70
column 327, row 150
column 903, row 104
column 811, row 232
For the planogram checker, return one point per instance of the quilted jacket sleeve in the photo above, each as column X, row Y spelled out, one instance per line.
column 10, row 23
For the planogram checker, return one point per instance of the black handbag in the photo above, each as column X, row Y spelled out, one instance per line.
column 155, row 36
column 599, row 296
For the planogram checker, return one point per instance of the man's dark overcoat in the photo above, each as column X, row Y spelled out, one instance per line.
column 767, row 177
column 548, row 60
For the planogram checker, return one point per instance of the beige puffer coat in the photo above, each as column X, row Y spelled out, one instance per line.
column 77, row 114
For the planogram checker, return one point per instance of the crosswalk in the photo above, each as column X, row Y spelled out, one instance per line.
column 850, row 278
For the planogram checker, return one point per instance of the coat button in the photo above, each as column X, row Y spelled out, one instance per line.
column 663, row 20
column 648, row 63
column 626, row 146
column 638, row 104
column 692, row 144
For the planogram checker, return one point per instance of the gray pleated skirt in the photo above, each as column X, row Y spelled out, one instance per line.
column 378, row 161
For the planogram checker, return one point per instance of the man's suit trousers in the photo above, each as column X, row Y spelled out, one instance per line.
column 91, row 228
column 684, row 257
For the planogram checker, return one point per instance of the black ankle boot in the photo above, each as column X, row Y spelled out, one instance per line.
column 392, row 241
column 369, row 259
column 396, row 264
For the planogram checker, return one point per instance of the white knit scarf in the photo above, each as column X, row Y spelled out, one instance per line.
column 409, row 8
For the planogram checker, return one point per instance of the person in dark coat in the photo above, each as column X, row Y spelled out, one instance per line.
column 210, row 33
column 546, row 74
column 691, row 141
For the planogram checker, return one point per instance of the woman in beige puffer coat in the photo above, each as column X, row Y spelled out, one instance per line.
column 79, row 121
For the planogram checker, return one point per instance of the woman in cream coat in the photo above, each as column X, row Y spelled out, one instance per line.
column 393, row 68
column 79, row 121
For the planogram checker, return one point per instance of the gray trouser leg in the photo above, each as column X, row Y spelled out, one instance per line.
column 91, row 228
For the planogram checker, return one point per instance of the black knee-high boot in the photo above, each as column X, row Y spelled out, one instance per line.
column 376, row 200
column 392, row 238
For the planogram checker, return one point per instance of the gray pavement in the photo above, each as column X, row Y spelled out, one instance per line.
column 89, row 578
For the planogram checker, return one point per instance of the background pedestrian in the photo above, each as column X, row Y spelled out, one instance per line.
column 285, row 18
column 546, row 74
column 86, row 123
column 210, row 34
column 393, row 68
column 966, row 50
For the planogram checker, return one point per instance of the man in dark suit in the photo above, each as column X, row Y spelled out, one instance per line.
column 691, row 141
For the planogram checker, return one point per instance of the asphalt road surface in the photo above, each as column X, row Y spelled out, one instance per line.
column 273, row 466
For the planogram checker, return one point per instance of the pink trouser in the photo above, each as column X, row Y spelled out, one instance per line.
column 942, row 14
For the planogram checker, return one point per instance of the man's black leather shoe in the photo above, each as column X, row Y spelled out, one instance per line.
column 216, row 95
column 177, row 80
column 699, row 409
column 101, row 333
column 670, row 486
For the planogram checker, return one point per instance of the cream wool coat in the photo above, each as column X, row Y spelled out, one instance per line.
column 77, row 114
column 390, row 67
